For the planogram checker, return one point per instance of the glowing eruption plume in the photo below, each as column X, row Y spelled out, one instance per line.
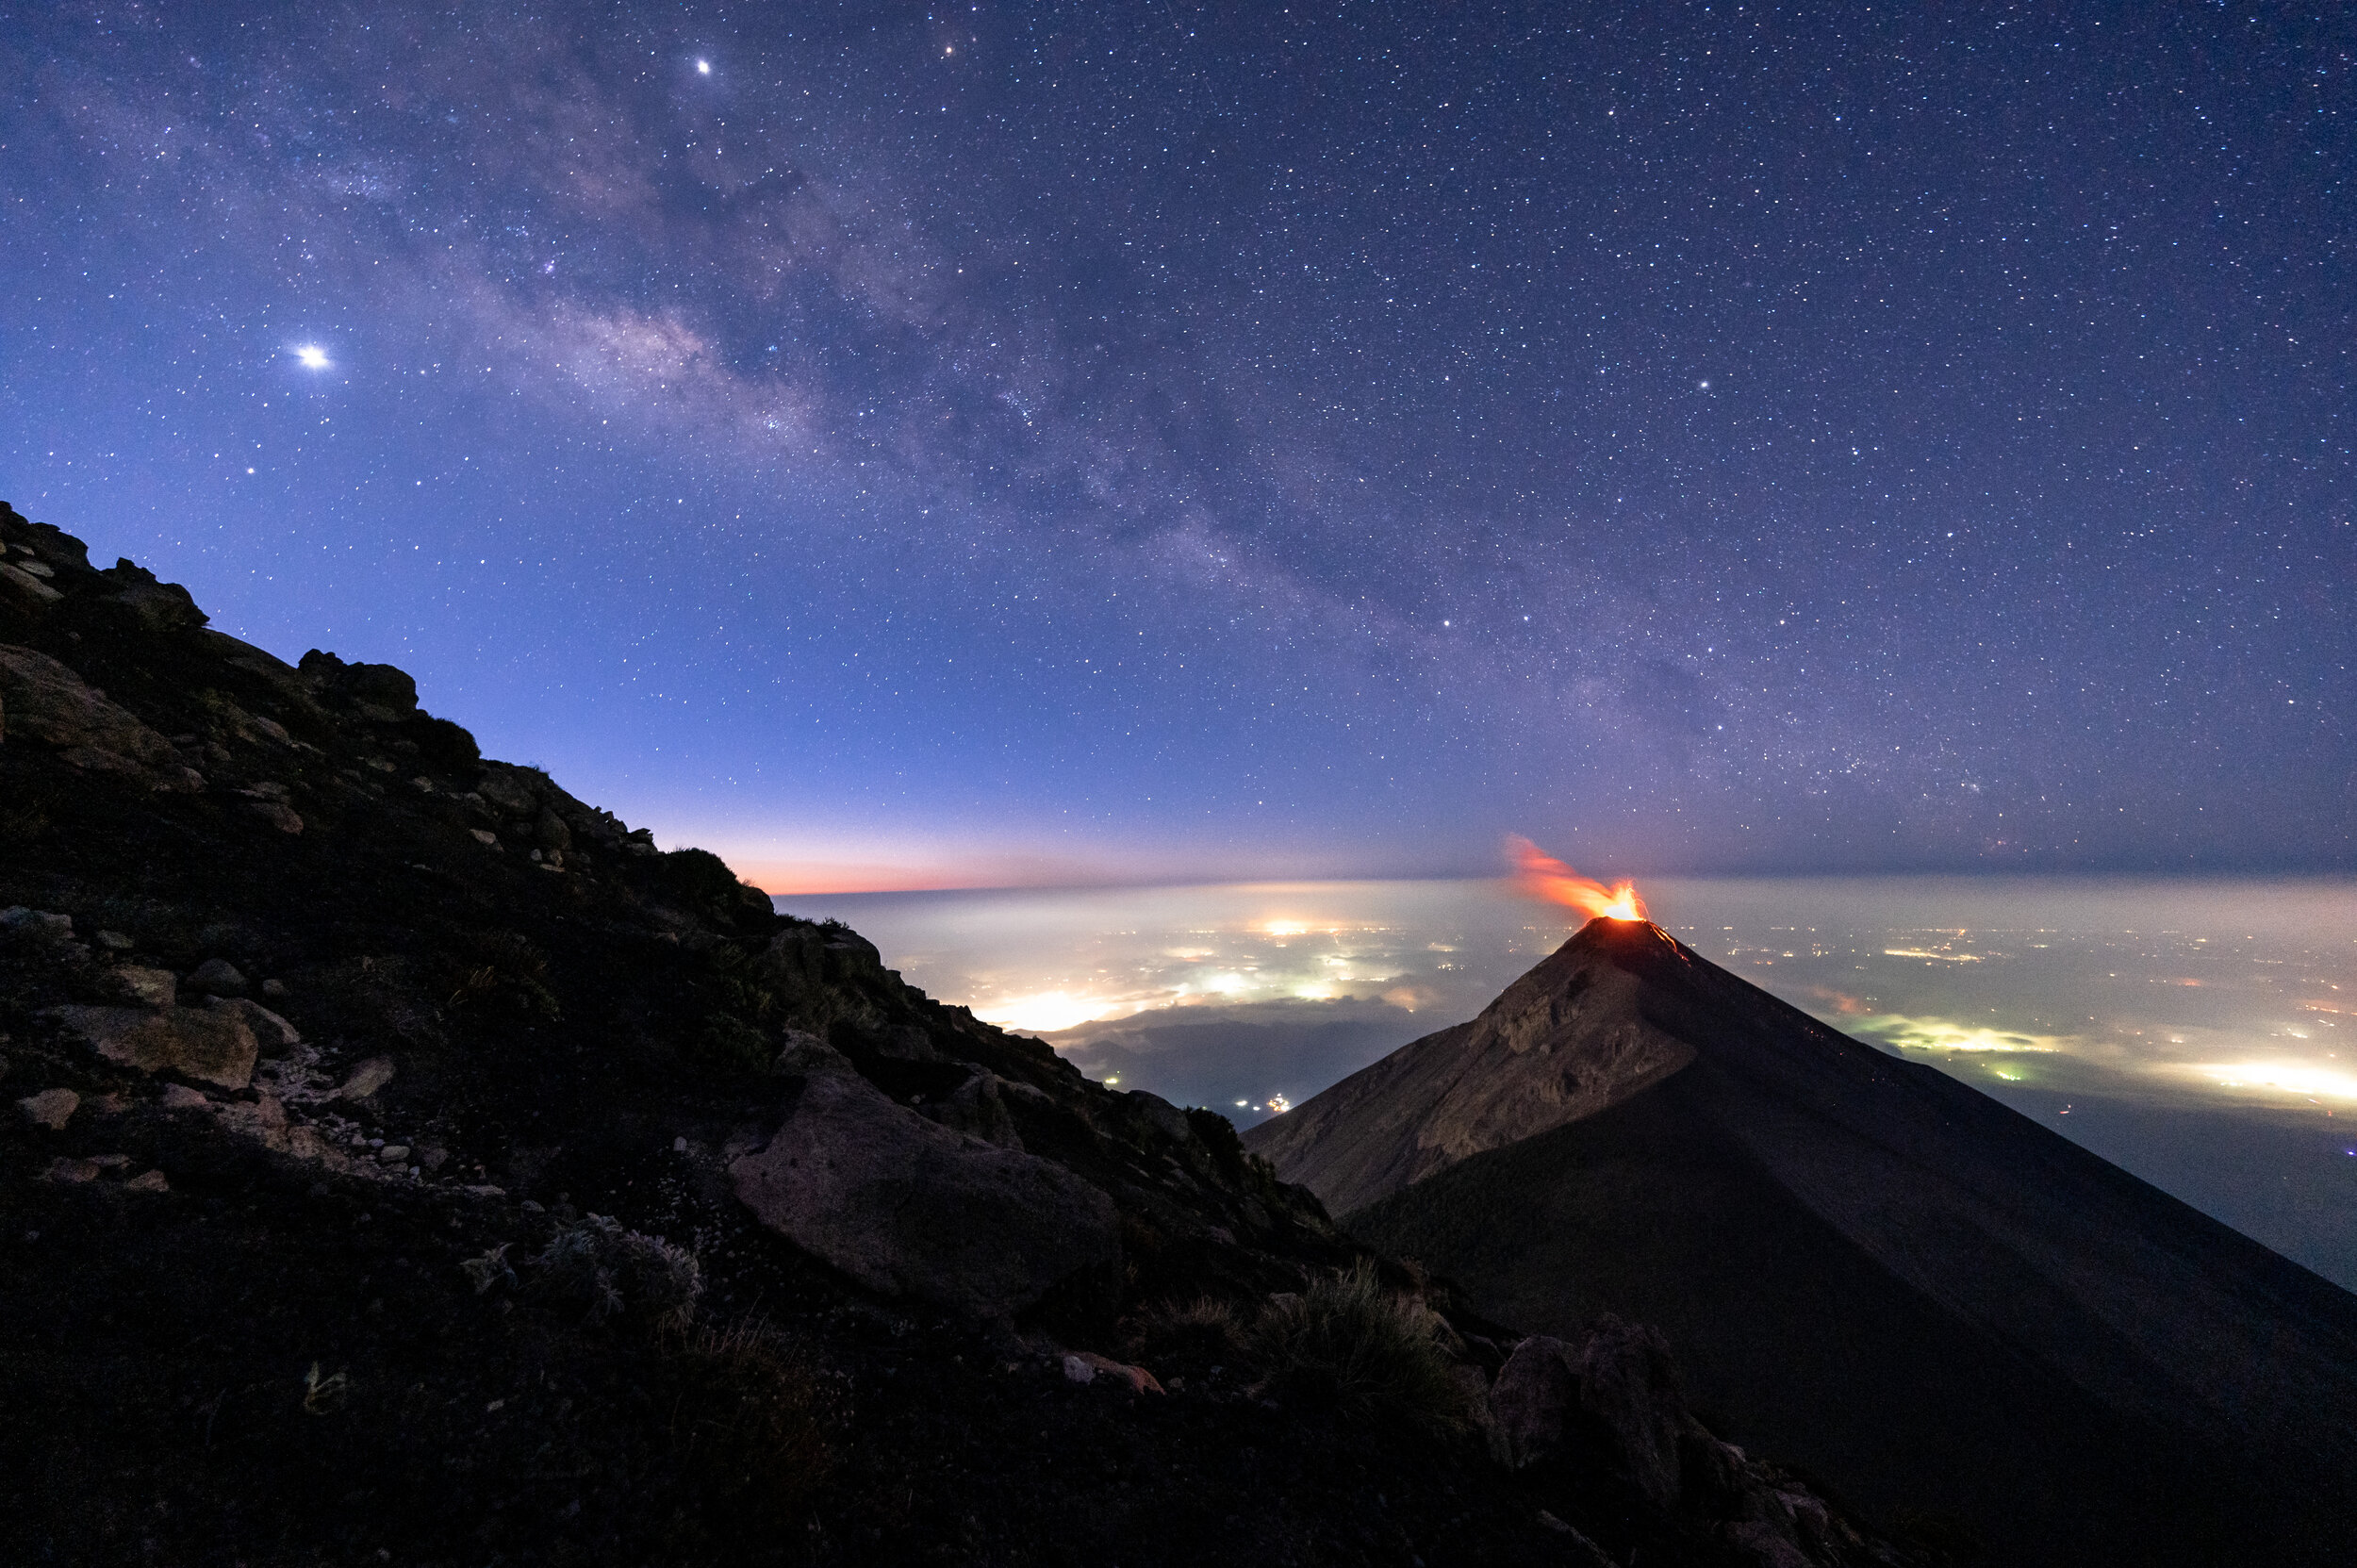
column 1542, row 876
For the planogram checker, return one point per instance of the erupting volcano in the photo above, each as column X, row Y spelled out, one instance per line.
column 1926, row 1297
column 1541, row 876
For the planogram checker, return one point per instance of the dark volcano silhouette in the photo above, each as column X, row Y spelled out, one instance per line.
column 1931, row 1303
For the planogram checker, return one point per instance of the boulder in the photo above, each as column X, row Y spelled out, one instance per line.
column 903, row 1042
column 218, row 976
column 805, row 1052
column 152, row 987
column 284, row 680
column 215, row 1048
column 1628, row 1382
column 45, row 701
column 158, row 606
column 1535, row 1394
column 1165, row 1117
column 367, row 1078
column 1621, row 1384
column 272, row 1032
column 510, row 789
column 974, row 1107
column 910, row 1208
column 21, row 577
column 278, row 815
column 1086, row 1367
column 849, row 958
column 51, row 1108
column 383, row 694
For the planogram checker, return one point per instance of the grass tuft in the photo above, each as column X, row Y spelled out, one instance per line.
column 749, row 1419
column 1352, row 1341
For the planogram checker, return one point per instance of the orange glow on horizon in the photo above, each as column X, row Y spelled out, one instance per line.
column 809, row 879
column 798, row 876
column 1539, row 875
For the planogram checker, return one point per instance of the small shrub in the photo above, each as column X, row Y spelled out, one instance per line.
column 703, row 882
column 736, row 1034
column 745, row 998
column 605, row 1269
column 489, row 1269
column 501, row 970
column 1351, row 1342
column 1218, row 1135
column 444, row 744
column 728, row 1044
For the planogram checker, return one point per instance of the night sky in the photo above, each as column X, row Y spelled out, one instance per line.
column 1014, row 443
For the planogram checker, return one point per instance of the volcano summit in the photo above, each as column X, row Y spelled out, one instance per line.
column 1932, row 1303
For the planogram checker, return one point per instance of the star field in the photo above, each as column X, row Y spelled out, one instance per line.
column 1012, row 443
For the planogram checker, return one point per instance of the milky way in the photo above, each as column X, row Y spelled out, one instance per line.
column 1010, row 444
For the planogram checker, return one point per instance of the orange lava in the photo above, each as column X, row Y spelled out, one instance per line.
column 1542, row 876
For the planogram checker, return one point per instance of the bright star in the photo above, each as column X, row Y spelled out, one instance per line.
column 704, row 68
column 313, row 356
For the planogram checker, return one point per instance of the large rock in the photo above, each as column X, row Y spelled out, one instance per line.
column 215, row 1048
column 1628, row 1382
column 44, row 924
column 45, row 701
column 272, row 1032
column 1536, row 1392
column 21, row 577
column 380, row 693
column 367, row 1078
column 51, row 1108
column 511, row 789
column 1620, row 1382
column 911, row 1208
column 1619, row 1389
column 158, row 606
column 155, row 987
column 218, row 976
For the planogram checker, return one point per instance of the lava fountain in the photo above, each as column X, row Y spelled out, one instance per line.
column 1541, row 876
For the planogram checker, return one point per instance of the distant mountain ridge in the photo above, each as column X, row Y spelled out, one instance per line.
column 1865, row 1264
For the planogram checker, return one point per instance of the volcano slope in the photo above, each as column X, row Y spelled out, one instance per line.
column 402, row 1162
column 1929, row 1302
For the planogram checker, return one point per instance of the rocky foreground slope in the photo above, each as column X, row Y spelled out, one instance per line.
column 1864, row 1265
column 404, row 1161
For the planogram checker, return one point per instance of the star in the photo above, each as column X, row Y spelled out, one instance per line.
column 313, row 357
column 704, row 68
